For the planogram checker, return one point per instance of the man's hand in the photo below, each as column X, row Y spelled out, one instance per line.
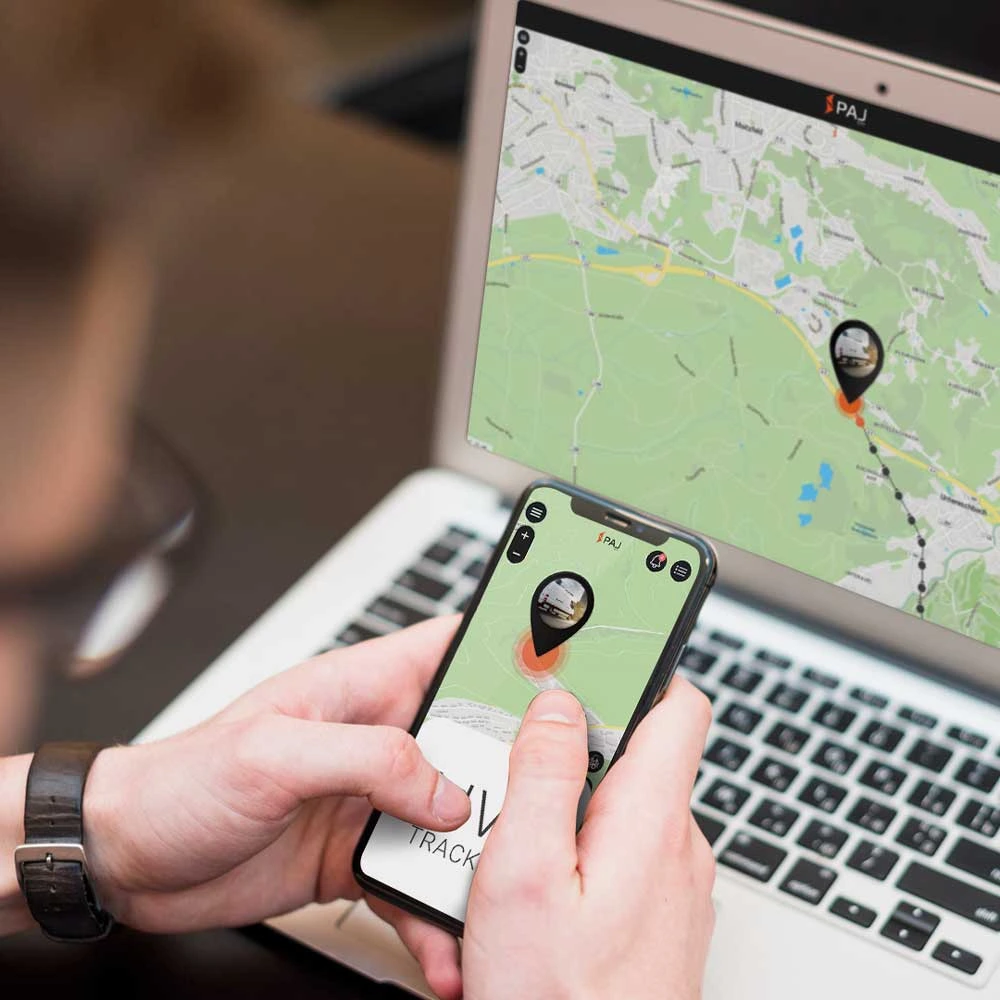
column 258, row 810
column 622, row 909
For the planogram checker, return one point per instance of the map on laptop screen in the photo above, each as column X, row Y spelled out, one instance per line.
column 769, row 313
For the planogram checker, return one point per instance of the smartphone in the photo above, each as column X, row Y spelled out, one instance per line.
column 582, row 594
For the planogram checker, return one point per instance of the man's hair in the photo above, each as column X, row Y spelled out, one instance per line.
column 94, row 96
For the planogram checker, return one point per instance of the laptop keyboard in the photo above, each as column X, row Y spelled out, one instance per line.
column 807, row 780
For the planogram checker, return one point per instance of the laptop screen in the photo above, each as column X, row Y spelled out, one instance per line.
column 769, row 313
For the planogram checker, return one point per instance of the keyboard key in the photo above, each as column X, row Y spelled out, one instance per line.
column 727, row 754
column 882, row 777
column 460, row 535
column 917, row 917
column 475, row 569
column 931, row 798
column 424, row 585
column 921, row 836
column 791, row 699
column 978, row 775
column 929, row 755
column 725, row 797
column 869, row 698
column 439, row 553
column 918, row 717
column 971, row 902
column 808, row 881
column 872, row 860
column 968, row 736
column 773, row 659
column 977, row 860
column 834, row 757
column 871, row 816
column 854, row 912
column 787, row 738
column 354, row 633
column 904, row 935
column 835, row 717
column 773, row 774
column 463, row 604
column 774, row 817
column 957, row 958
column 742, row 678
column 724, row 639
column 744, row 720
column 823, row 838
column 983, row 818
column 711, row 828
column 822, row 679
column 401, row 615
column 881, row 736
column 753, row 857
column 823, row 795
column 911, row 926
column 698, row 661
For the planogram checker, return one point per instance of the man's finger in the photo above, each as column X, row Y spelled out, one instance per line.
column 379, row 681
column 548, row 767
column 296, row 761
column 435, row 949
column 645, row 798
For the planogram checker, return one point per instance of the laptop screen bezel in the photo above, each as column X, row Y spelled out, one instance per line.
column 806, row 56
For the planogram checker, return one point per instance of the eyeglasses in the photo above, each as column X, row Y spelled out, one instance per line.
column 92, row 610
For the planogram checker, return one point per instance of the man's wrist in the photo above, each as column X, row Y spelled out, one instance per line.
column 105, row 832
column 14, row 914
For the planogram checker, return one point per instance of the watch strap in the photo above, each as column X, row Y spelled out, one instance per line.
column 52, row 864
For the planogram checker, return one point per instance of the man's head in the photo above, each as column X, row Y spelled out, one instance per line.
column 105, row 105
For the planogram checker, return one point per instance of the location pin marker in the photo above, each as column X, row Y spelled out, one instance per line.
column 857, row 355
column 560, row 607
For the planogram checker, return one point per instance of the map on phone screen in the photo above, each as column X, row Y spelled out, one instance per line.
column 571, row 605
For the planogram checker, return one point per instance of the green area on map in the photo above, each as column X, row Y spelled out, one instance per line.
column 606, row 664
column 667, row 264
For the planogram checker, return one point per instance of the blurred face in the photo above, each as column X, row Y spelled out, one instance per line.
column 67, row 372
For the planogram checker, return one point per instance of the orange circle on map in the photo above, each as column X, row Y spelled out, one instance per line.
column 849, row 408
column 530, row 663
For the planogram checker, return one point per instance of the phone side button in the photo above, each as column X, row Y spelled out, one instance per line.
column 712, row 828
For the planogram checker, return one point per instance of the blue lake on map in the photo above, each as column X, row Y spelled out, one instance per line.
column 809, row 492
column 606, row 251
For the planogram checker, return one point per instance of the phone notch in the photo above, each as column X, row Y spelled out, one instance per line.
column 626, row 522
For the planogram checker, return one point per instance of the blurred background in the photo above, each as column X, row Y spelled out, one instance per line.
column 301, row 308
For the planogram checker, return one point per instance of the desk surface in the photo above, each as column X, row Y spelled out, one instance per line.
column 295, row 365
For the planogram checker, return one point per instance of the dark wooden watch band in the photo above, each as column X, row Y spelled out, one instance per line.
column 58, row 892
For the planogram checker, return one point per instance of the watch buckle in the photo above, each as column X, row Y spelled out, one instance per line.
column 47, row 854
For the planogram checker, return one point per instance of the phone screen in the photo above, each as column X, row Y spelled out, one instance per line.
column 570, row 604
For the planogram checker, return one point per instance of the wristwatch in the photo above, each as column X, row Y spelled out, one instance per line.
column 51, row 864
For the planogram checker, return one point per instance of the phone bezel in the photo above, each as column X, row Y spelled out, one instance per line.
column 660, row 674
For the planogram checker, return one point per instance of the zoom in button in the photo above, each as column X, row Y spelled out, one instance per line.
column 520, row 543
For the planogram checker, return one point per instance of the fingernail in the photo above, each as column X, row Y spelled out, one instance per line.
column 555, row 706
column 450, row 803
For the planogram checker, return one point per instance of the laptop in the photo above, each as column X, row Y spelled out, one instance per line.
column 745, row 276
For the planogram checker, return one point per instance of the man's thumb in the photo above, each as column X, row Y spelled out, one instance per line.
column 548, row 769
